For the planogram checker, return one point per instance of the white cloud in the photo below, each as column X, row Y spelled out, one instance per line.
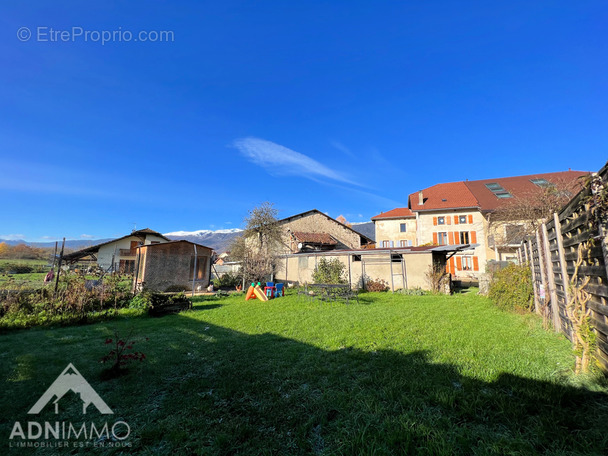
column 281, row 160
column 342, row 148
column 87, row 236
column 12, row 237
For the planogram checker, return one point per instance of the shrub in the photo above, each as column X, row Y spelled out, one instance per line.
column 376, row 285
column 417, row 291
column 121, row 353
column 140, row 301
column 329, row 271
column 511, row 288
column 228, row 280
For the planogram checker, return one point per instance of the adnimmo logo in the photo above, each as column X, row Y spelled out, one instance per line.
column 57, row 434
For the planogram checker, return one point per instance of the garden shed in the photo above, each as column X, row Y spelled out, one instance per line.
column 172, row 266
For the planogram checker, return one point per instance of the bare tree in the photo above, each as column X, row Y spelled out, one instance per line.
column 528, row 210
column 258, row 248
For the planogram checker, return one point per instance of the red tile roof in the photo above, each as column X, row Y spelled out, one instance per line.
column 476, row 194
column 444, row 196
column 397, row 213
column 314, row 238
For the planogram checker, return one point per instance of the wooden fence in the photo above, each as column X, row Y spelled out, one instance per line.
column 552, row 254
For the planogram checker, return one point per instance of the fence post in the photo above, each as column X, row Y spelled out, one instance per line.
column 536, row 297
column 562, row 257
column 596, row 187
column 551, row 280
column 541, row 262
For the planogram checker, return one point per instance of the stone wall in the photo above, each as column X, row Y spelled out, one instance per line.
column 318, row 223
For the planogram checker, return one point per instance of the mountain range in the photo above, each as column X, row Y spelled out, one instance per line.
column 218, row 240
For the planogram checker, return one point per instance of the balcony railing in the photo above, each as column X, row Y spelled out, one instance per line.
column 127, row 252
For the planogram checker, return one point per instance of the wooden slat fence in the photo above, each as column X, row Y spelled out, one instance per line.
column 552, row 254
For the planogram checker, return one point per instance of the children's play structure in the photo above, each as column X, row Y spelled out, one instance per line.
column 271, row 290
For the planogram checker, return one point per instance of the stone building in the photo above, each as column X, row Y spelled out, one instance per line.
column 172, row 266
column 313, row 231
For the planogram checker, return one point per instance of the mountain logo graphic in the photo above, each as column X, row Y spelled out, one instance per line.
column 71, row 380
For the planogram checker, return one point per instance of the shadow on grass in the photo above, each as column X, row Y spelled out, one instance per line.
column 266, row 394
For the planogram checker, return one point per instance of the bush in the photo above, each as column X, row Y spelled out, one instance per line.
column 140, row 301
column 329, row 271
column 74, row 301
column 511, row 288
column 376, row 285
column 417, row 291
column 228, row 280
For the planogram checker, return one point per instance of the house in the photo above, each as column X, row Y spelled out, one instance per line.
column 395, row 228
column 461, row 213
column 117, row 254
column 172, row 266
column 314, row 231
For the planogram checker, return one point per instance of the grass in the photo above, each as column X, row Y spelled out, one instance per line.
column 390, row 375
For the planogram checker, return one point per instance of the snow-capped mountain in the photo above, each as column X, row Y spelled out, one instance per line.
column 218, row 240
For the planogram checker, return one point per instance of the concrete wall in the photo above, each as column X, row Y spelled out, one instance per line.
column 318, row 223
column 390, row 230
column 166, row 265
column 299, row 268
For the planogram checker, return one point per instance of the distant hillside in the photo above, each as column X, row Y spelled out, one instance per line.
column 73, row 244
column 219, row 240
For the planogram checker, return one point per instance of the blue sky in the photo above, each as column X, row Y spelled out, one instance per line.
column 343, row 106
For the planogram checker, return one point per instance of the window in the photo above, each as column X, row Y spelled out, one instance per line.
column 440, row 220
column 387, row 243
column 356, row 257
column 464, row 237
column 498, row 190
column 395, row 258
column 541, row 182
column 462, row 219
column 467, row 263
column 402, row 243
column 402, row 227
column 442, row 238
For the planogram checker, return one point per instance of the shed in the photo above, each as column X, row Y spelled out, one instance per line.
column 172, row 266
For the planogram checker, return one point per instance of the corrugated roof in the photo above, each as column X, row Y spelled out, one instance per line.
column 467, row 194
column 397, row 213
column 314, row 238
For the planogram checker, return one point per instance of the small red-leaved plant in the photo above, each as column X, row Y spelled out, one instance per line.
column 122, row 352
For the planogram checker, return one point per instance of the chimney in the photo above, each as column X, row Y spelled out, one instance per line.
column 420, row 199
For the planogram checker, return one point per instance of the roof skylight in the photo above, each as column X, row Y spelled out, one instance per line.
column 498, row 190
column 541, row 182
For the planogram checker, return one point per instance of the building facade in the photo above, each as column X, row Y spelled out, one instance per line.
column 395, row 228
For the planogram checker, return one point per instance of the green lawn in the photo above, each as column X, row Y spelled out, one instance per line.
column 390, row 375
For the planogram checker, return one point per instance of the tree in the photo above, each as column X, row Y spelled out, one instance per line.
column 4, row 249
column 524, row 213
column 329, row 271
column 258, row 248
